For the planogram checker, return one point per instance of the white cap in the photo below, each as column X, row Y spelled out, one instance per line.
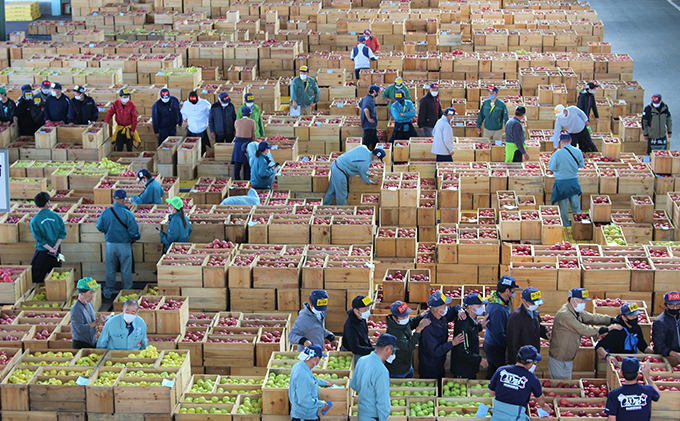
column 559, row 110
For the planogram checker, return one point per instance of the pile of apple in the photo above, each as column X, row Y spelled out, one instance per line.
column 406, row 233
column 147, row 304
column 593, row 391
column 194, row 336
column 220, row 244
column 533, row 409
column 396, row 276
column 529, row 215
column 578, row 217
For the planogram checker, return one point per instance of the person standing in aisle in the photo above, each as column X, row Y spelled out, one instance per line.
column 262, row 175
column 586, row 101
column 430, row 110
column 245, row 131
column 388, row 94
column 403, row 111
column 401, row 326
column 369, row 116
column 666, row 329
column 497, row 312
column 196, row 113
column 310, row 325
column 371, row 41
column 124, row 331
column 56, row 106
column 82, row 109
column 493, row 114
column 434, row 339
column 125, row 112
column 442, row 144
column 29, row 112
column 165, row 116
column 465, row 358
column 632, row 401
column 628, row 340
column 355, row 332
column 515, row 149
column 7, row 109
column 349, row 164
column 84, row 320
column 524, row 325
column 120, row 230
column 179, row 228
column 657, row 125
column 255, row 114
column 565, row 163
column 222, row 118
column 362, row 56
column 303, row 390
column 304, row 92
column 371, row 380
column 44, row 91
column 575, row 122
column 49, row 231
column 153, row 191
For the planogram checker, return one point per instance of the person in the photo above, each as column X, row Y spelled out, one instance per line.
column 524, row 325
column 222, row 118
column 29, row 112
column 434, row 339
column 627, row 340
column 565, row 163
column 369, row 116
column 657, row 124
column 666, row 329
column 124, row 331
column 49, row 231
column 303, row 390
column 179, row 228
column 586, row 100
column 255, row 113
column 354, row 162
column 56, row 105
column 304, row 92
column 250, row 199
column 430, row 110
column 7, row 108
column 120, row 230
column 388, row 94
column 632, row 401
column 403, row 111
column 442, row 144
column 465, row 358
column 84, row 320
column 513, row 385
column 165, row 116
column 44, row 92
column 575, row 122
column 371, row 380
column 310, row 326
column 262, row 174
column 196, row 112
column 245, row 133
column 498, row 312
column 362, row 56
column 153, row 191
column 371, row 41
column 82, row 109
column 493, row 114
column 515, row 136
column 401, row 326
column 125, row 112
column 355, row 331
column 572, row 322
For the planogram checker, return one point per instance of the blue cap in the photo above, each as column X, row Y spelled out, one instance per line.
column 124, row 91
column 565, row 136
column 245, row 111
column 380, row 153
column 224, row 96
column 361, row 301
column 399, row 94
column 493, row 89
column 249, row 97
column 450, row 111
column 400, row 309
column 26, row 88
column 165, row 92
column 362, row 38
column 263, row 146
column 119, row 194
column 672, row 297
column 374, row 88
column 80, row 89
column 529, row 353
column 532, row 295
column 314, row 350
column 474, row 300
column 56, row 85
column 581, row 293
column 630, row 309
column 508, row 282
column 387, row 339
column 319, row 299
column 630, row 365
column 143, row 173
column 438, row 299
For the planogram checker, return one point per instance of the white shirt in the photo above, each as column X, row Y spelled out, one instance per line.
column 360, row 60
column 574, row 122
column 196, row 115
column 442, row 143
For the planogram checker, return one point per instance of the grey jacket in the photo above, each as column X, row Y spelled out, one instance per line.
column 657, row 121
column 308, row 326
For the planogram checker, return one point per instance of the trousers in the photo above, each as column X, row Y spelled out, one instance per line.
column 496, row 357
column 560, row 369
column 338, row 188
column 43, row 262
column 118, row 255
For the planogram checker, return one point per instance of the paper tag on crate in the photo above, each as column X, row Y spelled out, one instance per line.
column 498, row 142
column 329, row 71
column 370, row 265
column 585, row 221
column 459, row 124
column 252, row 223
column 82, row 381
column 167, row 383
column 353, row 33
column 645, row 159
column 274, row 147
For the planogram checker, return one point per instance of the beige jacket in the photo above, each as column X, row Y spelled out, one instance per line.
column 568, row 329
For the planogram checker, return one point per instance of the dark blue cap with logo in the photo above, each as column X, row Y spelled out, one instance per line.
column 532, row 295
column 119, row 194
column 400, row 309
column 474, row 299
column 438, row 299
column 508, row 282
column 380, row 153
column 630, row 309
column 314, row 350
column 319, row 299
column 386, row 339
column 672, row 297
column 529, row 353
column 630, row 365
column 581, row 293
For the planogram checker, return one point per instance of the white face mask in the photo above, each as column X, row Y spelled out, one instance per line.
column 224, row 104
column 434, row 93
column 492, row 97
column 404, row 321
column 513, row 295
column 592, row 91
column 53, row 93
column 446, row 310
column 580, row 307
column 366, row 314
column 303, row 77
column 45, row 91
column 398, row 85
column 391, row 358
column 78, row 97
column 479, row 310
column 165, row 99
column 657, row 105
column 124, row 100
column 532, row 307
column 250, row 104
column 129, row 317
column 532, row 369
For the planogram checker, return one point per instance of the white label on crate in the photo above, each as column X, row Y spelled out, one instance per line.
column 585, row 221
column 340, row 104
column 167, row 383
column 261, row 87
column 510, row 206
column 275, row 147
column 392, row 188
column 498, row 142
column 252, row 223
column 82, row 381
column 329, row 71
column 353, row 33
column 459, row 124
column 370, row 265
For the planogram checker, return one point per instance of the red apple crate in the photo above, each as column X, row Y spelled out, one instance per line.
column 386, row 242
column 642, row 212
column 355, row 276
column 603, row 277
column 418, row 291
column 149, row 315
column 394, row 285
column 313, row 271
column 538, row 275
column 264, row 349
column 231, row 354
column 600, row 212
column 172, row 321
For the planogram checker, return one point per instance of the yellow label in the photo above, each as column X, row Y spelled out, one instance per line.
column 92, row 284
column 633, row 307
column 126, row 91
column 584, row 293
column 536, row 295
column 367, row 301
column 322, row 302
column 443, row 298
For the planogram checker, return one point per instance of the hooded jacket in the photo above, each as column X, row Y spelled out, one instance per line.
column 568, row 328
column 465, row 358
column 524, row 328
column 586, row 102
column 656, row 122
column 221, row 120
column 430, row 111
column 8, row 110
column 152, row 194
column 355, row 335
column 309, row 327
column 624, row 341
column 165, row 115
column 434, row 344
column 83, row 112
column 407, row 340
column 498, row 312
column 665, row 334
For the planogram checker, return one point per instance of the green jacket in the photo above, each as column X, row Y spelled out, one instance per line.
column 493, row 120
column 304, row 93
column 47, row 227
column 256, row 115
column 389, row 92
column 407, row 340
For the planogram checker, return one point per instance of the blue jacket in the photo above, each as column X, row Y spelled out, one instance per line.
column 176, row 231
column 356, row 162
column 303, row 393
column 57, row 109
column 47, row 227
column 434, row 344
column 407, row 109
column 82, row 112
column 221, row 120
column 261, row 174
column 368, row 102
column 152, row 194
column 308, row 327
column 117, row 336
column 498, row 314
column 250, row 199
column 371, row 380
column 563, row 165
column 165, row 116
column 113, row 231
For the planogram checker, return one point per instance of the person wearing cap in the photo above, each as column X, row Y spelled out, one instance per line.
column 369, row 116
column 512, row 386
column 255, row 113
column 196, row 112
column 246, row 132
column 442, row 144
column 120, row 230
column 222, row 118
column 355, row 332
column 493, row 114
column 515, row 136
column 262, row 174
column 153, row 191
column 403, row 111
column 84, row 320
column 83, row 108
column 29, row 112
column 49, row 231
column 165, row 116
column 44, row 91
column 497, row 311
column 125, row 112
column 388, row 93
column 571, row 322
column 657, row 124
column 351, row 163
column 125, row 331
column 586, row 100
column 56, row 105
column 575, row 122
column 179, row 228
column 362, row 56
column 524, row 325
column 371, row 380
column 632, row 401
column 310, row 325
column 402, row 326
column 304, row 92
column 627, row 340
column 371, row 41
column 565, row 163
column 434, row 339
column 7, row 108
column 430, row 110
column 465, row 358
column 303, row 390
column 249, row 199
column 666, row 329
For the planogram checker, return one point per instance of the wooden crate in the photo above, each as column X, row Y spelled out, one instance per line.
column 231, row 354
column 15, row 397
column 418, row 291
column 153, row 400
column 60, row 289
column 172, row 321
column 57, row 397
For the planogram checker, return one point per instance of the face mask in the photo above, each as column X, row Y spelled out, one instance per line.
column 366, row 314
column 591, row 91
column 580, row 307
column 193, row 101
column 45, row 91
column 124, row 100
column 657, row 105
column 250, row 104
column 78, row 97
column 391, row 358
column 28, row 96
column 532, row 369
column 399, row 85
column 479, row 310
column 403, row 321
column 129, row 317
column 317, row 365
column 492, row 97
column 532, row 307
column 673, row 312
column 165, row 99
column 317, row 312
column 434, row 93
column 303, row 77
column 513, row 295
column 53, row 93
column 632, row 322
